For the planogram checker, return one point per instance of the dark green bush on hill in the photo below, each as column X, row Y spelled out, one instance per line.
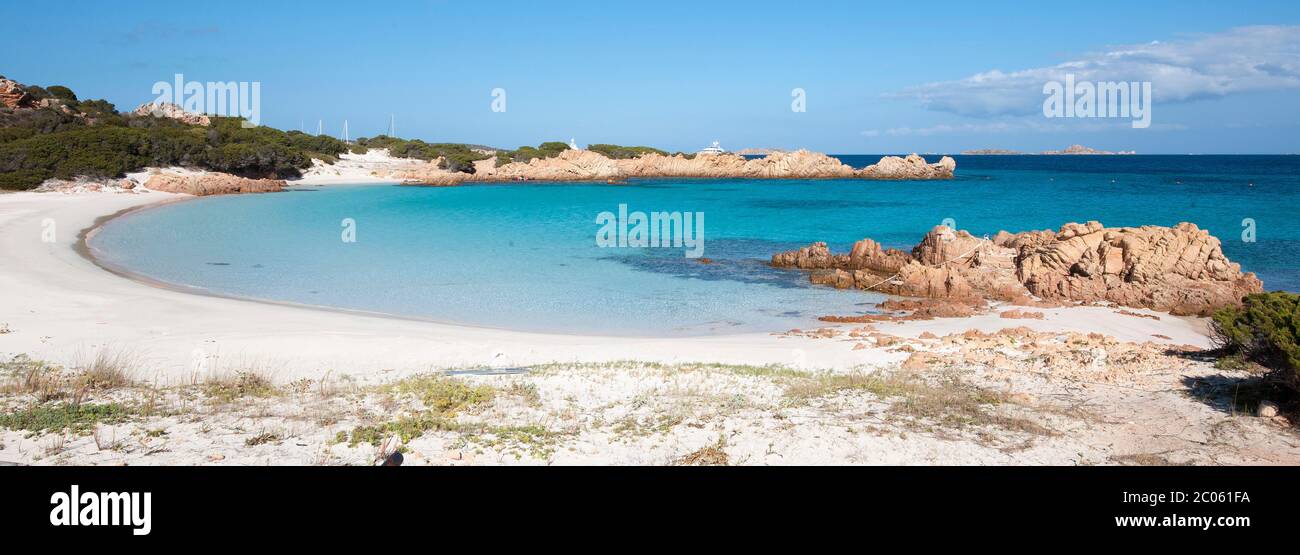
column 39, row 121
column 62, row 92
column 102, row 111
column 91, row 151
column 523, row 154
column 618, row 152
column 381, row 141
column 1266, row 329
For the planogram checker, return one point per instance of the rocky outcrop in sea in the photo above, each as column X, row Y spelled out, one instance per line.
column 1180, row 269
column 911, row 167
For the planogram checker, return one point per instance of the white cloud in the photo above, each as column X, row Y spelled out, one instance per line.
column 1245, row 59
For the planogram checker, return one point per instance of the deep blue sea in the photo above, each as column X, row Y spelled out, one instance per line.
column 524, row 256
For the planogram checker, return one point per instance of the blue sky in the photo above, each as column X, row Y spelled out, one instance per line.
column 678, row 75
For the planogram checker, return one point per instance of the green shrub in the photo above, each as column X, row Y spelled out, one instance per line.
column 39, row 121
column 39, row 93
column 76, row 418
column 102, row 111
column 88, row 151
column 1265, row 329
column 618, row 152
column 524, row 154
column 62, row 92
column 23, row 180
column 14, row 133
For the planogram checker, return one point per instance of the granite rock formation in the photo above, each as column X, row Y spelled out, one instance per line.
column 911, row 167
column 1178, row 269
column 172, row 111
column 202, row 184
column 14, row 96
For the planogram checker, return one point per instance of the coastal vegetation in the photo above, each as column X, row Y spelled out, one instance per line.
column 455, row 157
column 106, row 150
column 1264, row 330
column 686, row 413
column 55, row 134
column 64, row 137
column 618, row 152
column 524, row 154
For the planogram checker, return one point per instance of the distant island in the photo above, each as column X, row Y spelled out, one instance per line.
column 759, row 151
column 1071, row 150
column 1080, row 149
column 990, row 151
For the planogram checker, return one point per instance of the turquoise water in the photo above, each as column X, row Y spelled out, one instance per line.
column 525, row 256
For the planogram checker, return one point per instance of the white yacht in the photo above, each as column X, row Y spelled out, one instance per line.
column 715, row 149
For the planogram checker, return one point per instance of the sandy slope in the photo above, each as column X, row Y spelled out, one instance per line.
column 375, row 166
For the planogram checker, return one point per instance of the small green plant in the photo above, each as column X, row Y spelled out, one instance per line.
column 441, row 394
column 405, row 427
column 535, row 439
column 78, row 418
column 443, row 398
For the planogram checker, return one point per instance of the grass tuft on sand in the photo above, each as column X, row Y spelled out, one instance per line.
column 76, row 418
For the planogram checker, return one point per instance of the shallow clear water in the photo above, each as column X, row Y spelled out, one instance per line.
column 525, row 256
